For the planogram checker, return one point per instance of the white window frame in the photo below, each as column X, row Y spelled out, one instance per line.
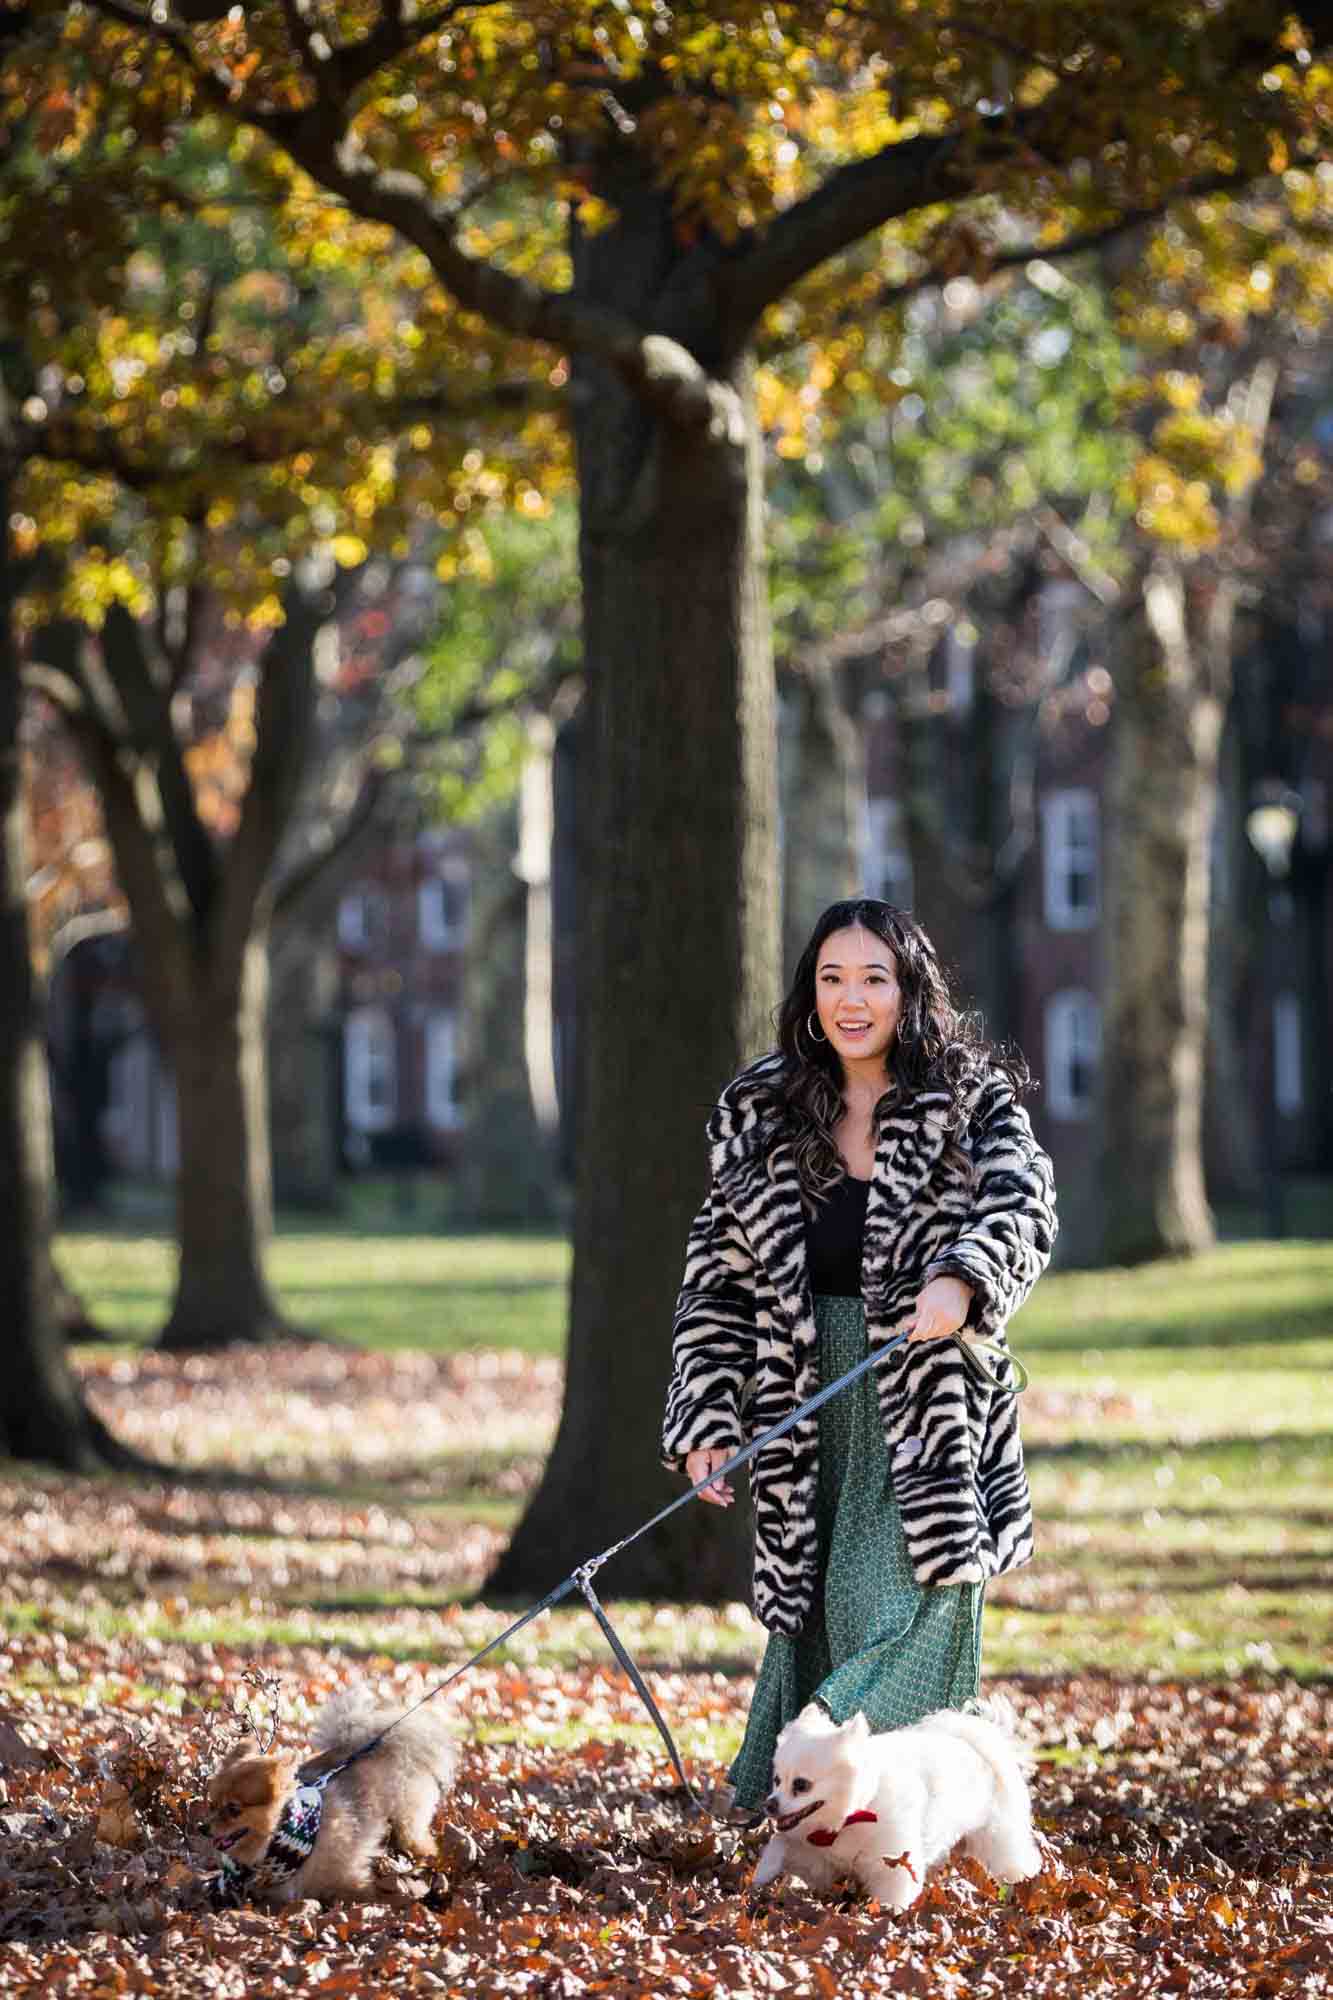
column 434, row 932
column 886, row 865
column 1070, row 850
column 370, row 1070
column 362, row 919
column 1073, row 1036
column 443, row 1110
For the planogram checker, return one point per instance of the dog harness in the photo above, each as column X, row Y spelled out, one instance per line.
column 292, row 1844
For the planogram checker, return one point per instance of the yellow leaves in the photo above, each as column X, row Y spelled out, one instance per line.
column 468, row 555
column 348, row 551
column 1171, row 508
column 1178, row 390
column 94, row 581
column 594, row 215
column 266, row 615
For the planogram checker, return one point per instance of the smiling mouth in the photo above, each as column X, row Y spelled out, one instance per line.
column 789, row 1820
column 223, row 1841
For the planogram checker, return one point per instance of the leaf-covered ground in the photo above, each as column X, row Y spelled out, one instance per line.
column 349, row 1501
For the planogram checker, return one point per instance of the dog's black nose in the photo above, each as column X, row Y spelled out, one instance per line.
column 771, row 1803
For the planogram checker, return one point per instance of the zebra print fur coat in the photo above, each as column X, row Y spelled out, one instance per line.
column 974, row 1199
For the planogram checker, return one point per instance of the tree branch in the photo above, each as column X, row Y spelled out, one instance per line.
column 148, row 711
column 134, row 844
column 661, row 370
column 284, row 710
column 857, row 199
column 1076, row 244
column 299, row 880
column 852, row 202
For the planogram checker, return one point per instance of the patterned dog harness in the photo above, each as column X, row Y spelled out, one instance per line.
column 292, row 1844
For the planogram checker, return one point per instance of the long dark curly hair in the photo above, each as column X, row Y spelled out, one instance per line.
column 936, row 1047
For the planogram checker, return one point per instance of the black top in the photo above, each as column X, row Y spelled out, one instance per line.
column 833, row 1236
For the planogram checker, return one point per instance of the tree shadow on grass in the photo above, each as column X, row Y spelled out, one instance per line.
column 1102, row 1450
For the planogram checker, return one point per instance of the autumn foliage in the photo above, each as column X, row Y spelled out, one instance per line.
column 1183, row 1824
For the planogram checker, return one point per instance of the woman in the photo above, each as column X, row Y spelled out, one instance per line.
column 872, row 1176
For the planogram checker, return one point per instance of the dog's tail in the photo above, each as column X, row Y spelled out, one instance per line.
column 989, row 1728
column 419, row 1739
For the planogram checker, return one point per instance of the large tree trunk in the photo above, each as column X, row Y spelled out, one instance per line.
column 677, row 804
column 1170, row 704
column 224, row 1207
column 823, row 806
column 42, row 1413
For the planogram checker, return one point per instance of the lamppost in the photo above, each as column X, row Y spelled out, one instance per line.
column 1270, row 826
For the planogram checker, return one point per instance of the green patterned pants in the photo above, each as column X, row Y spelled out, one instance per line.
column 878, row 1641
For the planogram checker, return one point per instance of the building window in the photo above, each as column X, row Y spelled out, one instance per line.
column 1287, row 1092
column 362, row 920
column 442, row 903
column 1073, row 1054
column 370, row 1081
column 886, row 868
column 442, row 1105
column 1069, row 859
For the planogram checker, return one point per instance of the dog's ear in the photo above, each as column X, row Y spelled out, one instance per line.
column 253, row 1781
column 857, row 1729
column 814, row 1720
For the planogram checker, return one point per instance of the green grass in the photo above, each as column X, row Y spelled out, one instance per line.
column 399, row 1291
column 1178, row 1440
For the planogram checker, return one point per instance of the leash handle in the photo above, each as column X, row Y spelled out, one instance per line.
column 639, row 1685
column 974, row 1345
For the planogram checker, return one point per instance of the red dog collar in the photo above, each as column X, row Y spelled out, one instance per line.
column 824, row 1836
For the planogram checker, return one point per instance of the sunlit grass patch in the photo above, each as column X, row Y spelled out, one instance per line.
column 436, row 1292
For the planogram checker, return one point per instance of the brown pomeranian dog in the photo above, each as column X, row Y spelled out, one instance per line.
column 281, row 1842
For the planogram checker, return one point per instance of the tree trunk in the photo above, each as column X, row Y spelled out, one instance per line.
column 678, row 932
column 507, row 1161
column 1231, row 1127
column 42, row 1413
column 823, row 800
column 1169, row 711
column 218, row 1055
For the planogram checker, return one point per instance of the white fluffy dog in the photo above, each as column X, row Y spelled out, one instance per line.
column 885, row 1808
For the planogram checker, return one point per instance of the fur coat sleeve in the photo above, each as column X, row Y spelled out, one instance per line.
column 713, row 1349
column 1004, row 1244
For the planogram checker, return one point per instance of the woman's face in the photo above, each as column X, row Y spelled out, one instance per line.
column 857, row 998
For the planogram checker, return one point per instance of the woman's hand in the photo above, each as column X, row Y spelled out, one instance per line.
column 941, row 1309
column 699, row 1464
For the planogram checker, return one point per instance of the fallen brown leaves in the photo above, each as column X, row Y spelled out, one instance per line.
column 1187, row 1830
column 1188, row 1827
column 320, row 1409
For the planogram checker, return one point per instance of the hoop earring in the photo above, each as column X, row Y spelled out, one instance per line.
column 810, row 1031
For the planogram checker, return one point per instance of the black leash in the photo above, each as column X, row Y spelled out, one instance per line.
column 580, row 1579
